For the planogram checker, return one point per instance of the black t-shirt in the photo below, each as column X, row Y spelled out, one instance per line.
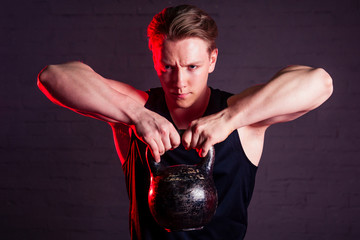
column 234, row 177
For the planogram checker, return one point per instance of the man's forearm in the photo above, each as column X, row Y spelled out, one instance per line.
column 291, row 93
column 77, row 87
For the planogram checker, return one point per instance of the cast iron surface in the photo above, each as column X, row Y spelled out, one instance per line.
column 183, row 197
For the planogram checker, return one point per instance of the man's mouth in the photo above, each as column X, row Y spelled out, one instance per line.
column 181, row 95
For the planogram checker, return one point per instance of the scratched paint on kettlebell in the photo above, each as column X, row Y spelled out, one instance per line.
column 185, row 174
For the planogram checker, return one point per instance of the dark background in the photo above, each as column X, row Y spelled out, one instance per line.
column 60, row 177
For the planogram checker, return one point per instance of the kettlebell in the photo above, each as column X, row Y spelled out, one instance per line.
column 182, row 197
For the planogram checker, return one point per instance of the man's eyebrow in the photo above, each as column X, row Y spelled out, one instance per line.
column 165, row 62
column 196, row 62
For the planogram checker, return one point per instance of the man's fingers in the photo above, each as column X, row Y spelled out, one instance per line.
column 165, row 142
column 186, row 138
column 195, row 141
column 161, row 147
column 205, row 149
column 154, row 150
column 199, row 140
column 174, row 139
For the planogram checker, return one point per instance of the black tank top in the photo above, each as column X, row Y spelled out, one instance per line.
column 234, row 177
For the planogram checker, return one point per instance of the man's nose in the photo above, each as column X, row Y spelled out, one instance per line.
column 180, row 78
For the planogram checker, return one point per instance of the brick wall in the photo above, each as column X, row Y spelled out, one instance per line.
column 60, row 177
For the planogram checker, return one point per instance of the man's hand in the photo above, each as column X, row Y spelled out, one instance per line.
column 157, row 132
column 207, row 131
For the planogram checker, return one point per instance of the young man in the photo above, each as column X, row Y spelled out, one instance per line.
column 182, row 40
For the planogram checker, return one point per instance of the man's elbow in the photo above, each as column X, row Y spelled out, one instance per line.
column 321, row 87
column 326, row 82
column 44, row 77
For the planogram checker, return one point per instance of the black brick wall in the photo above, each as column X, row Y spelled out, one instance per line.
column 60, row 177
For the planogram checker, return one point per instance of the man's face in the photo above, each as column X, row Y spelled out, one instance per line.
column 183, row 67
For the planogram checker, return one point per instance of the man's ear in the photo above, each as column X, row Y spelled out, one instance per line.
column 213, row 58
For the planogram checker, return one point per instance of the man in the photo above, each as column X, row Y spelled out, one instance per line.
column 182, row 40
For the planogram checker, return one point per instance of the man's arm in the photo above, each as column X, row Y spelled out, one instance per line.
column 78, row 87
column 292, row 92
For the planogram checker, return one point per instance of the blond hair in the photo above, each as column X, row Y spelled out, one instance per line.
column 183, row 21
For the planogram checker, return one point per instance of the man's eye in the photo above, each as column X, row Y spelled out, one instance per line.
column 192, row 67
column 167, row 67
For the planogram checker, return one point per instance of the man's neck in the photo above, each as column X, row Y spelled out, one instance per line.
column 182, row 117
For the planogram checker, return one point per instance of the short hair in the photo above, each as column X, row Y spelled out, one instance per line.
column 183, row 21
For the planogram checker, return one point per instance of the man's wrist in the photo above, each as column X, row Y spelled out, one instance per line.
column 131, row 111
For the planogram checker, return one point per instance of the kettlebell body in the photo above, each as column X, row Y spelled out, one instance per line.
column 183, row 197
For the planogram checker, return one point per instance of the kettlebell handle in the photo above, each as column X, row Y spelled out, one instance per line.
column 207, row 162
